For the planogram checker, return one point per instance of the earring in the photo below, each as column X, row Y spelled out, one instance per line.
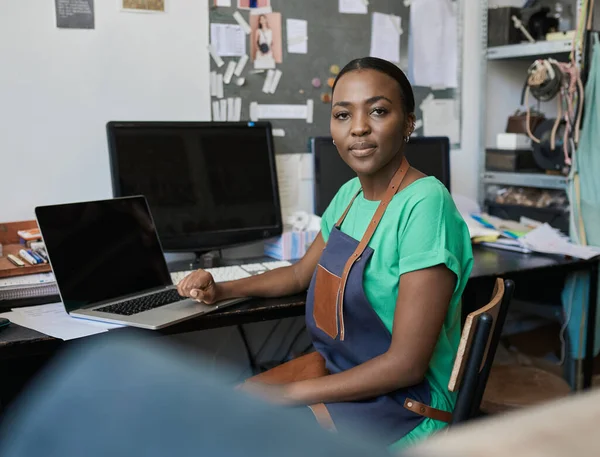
column 333, row 141
column 407, row 139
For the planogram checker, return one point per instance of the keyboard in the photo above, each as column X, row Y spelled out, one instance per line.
column 233, row 272
column 141, row 304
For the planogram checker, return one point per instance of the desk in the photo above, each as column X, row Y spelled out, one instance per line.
column 17, row 342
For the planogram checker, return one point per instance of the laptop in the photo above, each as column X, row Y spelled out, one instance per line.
column 109, row 264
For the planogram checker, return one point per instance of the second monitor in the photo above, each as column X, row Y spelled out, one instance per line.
column 209, row 185
column 431, row 155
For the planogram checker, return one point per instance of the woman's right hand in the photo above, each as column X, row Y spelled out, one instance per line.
column 199, row 285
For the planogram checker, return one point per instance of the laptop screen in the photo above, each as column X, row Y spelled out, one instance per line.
column 102, row 250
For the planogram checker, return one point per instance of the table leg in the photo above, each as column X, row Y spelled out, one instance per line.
column 588, row 365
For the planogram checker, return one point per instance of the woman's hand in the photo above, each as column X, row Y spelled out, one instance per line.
column 199, row 285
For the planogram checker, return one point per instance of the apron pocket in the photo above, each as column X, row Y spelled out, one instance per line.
column 327, row 286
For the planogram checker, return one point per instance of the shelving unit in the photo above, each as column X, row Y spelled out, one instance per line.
column 530, row 51
column 538, row 180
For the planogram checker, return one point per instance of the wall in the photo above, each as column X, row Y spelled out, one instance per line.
column 59, row 87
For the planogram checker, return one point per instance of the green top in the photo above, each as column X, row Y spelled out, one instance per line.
column 421, row 228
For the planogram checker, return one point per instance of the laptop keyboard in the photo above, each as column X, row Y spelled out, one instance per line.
column 141, row 304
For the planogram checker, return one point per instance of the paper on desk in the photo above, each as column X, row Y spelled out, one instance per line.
column 440, row 118
column 289, row 167
column 547, row 240
column 434, row 43
column 297, row 36
column 353, row 6
column 385, row 36
column 53, row 320
column 229, row 40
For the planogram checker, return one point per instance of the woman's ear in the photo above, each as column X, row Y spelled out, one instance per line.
column 409, row 125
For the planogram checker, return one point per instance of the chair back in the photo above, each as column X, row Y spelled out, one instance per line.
column 477, row 348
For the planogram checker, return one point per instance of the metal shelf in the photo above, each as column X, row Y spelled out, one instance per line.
column 538, row 180
column 529, row 50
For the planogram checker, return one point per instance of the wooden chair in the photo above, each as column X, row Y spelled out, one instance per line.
column 479, row 340
column 478, row 343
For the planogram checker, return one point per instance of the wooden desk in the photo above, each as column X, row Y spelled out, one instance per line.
column 17, row 342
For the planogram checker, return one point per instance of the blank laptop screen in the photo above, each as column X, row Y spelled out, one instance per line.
column 102, row 250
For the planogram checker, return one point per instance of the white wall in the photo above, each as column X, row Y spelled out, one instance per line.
column 59, row 87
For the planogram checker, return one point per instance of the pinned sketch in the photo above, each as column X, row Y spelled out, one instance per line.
column 353, row 6
column 297, row 36
column 250, row 4
column 143, row 6
column 229, row 40
column 441, row 118
column 258, row 112
column 434, row 53
column 74, row 14
column 385, row 36
column 266, row 45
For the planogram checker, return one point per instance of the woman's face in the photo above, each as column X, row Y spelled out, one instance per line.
column 368, row 123
column 263, row 21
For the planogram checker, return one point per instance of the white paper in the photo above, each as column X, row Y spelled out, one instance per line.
column 385, row 36
column 440, row 118
column 223, row 109
column 229, row 40
column 213, row 84
column 262, row 10
column 230, row 110
column 279, row 133
column 53, row 320
column 353, row 6
column 222, row 2
column 219, row 85
column 310, row 105
column 268, row 81
column 281, row 112
column 239, row 68
column 254, row 111
column 434, row 29
column 229, row 72
column 237, row 108
column 216, row 111
column 288, row 179
column 243, row 23
column 213, row 53
column 297, row 36
column 545, row 239
column 275, row 82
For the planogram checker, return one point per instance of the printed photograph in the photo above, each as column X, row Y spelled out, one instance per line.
column 266, row 43
column 248, row 4
column 144, row 5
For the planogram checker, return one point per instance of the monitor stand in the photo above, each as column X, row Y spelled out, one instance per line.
column 206, row 259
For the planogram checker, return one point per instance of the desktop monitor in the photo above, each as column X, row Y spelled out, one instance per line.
column 431, row 155
column 209, row 185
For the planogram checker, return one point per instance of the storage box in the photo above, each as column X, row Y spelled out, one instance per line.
column 501, row 30
column 290, row 245
column 513, row 141
column 510, row 161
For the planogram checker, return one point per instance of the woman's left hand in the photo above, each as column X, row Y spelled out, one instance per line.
column 276, row 394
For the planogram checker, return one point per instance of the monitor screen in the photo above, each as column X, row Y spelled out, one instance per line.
column 209, row 185
column 430, row 155
column 102, row 250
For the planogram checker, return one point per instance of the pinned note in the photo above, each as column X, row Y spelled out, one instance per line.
column 440, row 118
column 229, row 72
column 216, row 111
column 268, row 81
column 237, row 109
column 228, row 40
column 223, row 109
column 279, row 133
column 241, row 64
column 213, row 53
column 385, row 36
column 243, row 23
column 258, row 112
column 310, row 105
column 219, row 85
column 230, row 110
column 222, row 2
column 275, row 82
column 353, row 6
column 297, row 36
column 213, row 84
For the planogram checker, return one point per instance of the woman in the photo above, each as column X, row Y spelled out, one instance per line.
column 394, row 334
column 263, row 37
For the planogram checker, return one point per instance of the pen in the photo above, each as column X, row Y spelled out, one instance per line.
column 26, row 257
column 36, row 256
column 15, row 260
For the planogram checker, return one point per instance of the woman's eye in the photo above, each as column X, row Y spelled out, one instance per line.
column 341, row 116
column 379, row 111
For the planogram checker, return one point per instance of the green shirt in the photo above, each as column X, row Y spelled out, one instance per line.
column 421, row 228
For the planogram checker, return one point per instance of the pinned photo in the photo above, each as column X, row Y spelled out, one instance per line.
column 266, row 41
column 249, row 4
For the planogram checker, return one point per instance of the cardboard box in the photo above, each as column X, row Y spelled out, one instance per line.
column 290, row 245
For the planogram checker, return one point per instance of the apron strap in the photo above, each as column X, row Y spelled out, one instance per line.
column 341, row 219
column 387, row 198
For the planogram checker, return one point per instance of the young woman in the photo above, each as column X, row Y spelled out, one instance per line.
column 263, row 37
column 384, row 276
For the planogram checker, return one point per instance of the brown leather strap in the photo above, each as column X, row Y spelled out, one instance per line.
column 427, row 411
column 323, row 417
column 341, row 219
column 387, row 198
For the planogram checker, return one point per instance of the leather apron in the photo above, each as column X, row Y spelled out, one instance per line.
column 346, row 331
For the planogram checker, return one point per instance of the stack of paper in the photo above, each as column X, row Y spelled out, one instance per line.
column 36, row 285
column 547, row 240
